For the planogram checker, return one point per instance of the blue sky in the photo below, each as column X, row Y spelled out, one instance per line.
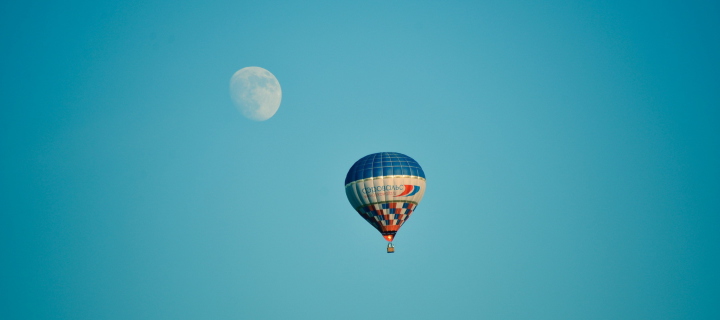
column 571, row 153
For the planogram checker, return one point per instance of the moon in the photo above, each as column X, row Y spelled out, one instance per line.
column 256, row 93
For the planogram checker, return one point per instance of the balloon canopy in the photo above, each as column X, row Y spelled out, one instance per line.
column 385, row 188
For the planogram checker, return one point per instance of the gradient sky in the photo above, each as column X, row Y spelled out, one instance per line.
column 572, row 151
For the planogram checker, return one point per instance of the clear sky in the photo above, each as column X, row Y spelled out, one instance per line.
column 571, row 148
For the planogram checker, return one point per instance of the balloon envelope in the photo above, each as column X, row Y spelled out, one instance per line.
column 385, row 188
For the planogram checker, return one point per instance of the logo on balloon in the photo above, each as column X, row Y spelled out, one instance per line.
column 410, row 190
column 407, row 190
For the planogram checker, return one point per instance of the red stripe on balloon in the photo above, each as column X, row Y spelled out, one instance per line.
column 408, row 188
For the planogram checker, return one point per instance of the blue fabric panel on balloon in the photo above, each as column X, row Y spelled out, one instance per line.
column 383, row 164
column 376, row 172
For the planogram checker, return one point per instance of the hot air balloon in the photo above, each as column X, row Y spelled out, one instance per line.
column 385, row 188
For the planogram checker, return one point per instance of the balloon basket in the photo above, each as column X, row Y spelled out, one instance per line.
column 390, row 248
